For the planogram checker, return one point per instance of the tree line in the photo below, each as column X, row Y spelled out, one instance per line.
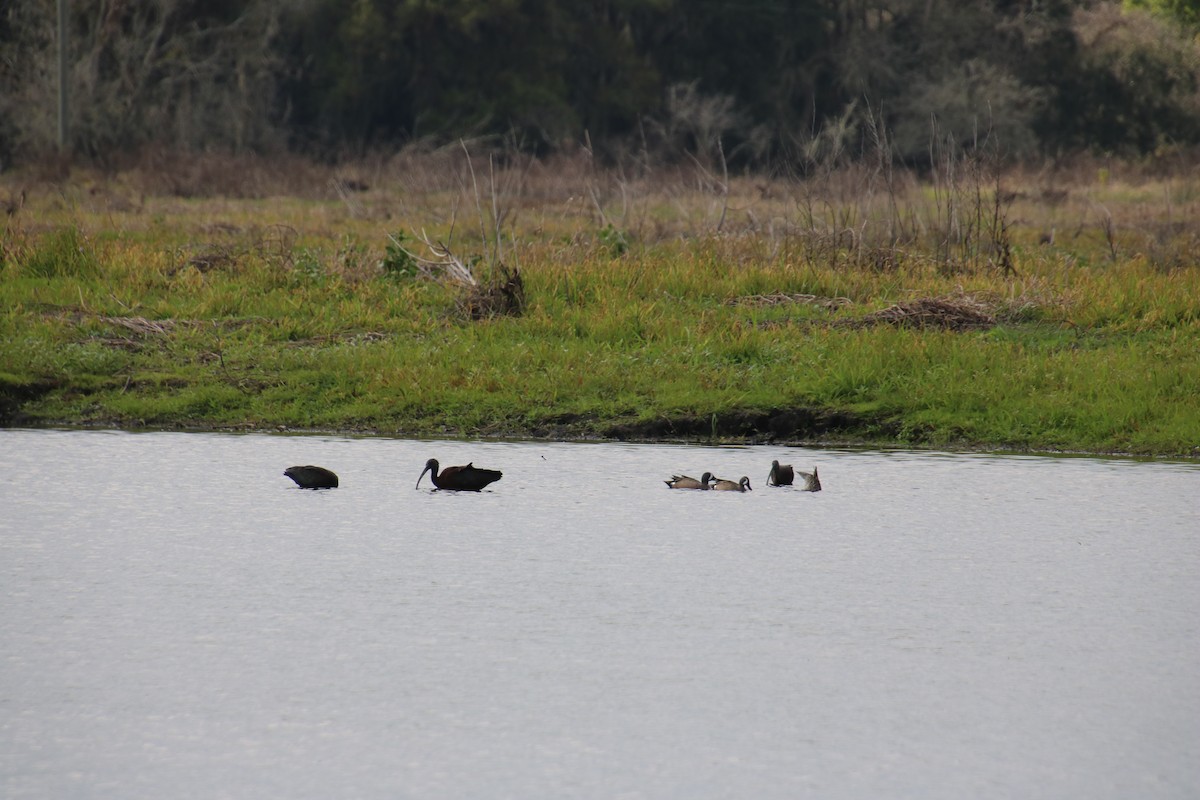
column 753, row 81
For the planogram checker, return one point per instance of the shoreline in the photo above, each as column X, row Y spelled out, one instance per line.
column 227, row 314
column 513, row 435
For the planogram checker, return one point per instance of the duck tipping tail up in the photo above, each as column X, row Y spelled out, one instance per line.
column 812, row 483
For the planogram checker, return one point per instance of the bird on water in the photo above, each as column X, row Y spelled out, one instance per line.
column 812, row 481
column 781, row 474
column 723, row 485
column 467, row 478
column 684, row 482
column 310, row 477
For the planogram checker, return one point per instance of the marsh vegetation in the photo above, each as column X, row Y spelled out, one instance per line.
column 463, row 292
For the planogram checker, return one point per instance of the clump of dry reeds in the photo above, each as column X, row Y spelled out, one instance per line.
column 503, row 296
column 210, row 258
column 141, row 326
column 782, row 298
column 962, row 313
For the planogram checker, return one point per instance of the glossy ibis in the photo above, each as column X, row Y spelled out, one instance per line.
column 468, row 478
column 723, row 485
column 781, row 474
column 684, row 482
column 310, row 477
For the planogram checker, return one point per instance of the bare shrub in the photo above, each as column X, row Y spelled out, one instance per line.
column 694, row 122
column 961, row 313
column 970, row 207
column 502, row 292
column 504, row 295
column 977, row 100
column 152, row 71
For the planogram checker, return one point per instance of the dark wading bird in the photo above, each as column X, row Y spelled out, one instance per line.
column 723, row 485
column 684, row 482
column 781, row 474
column 469, row 478
column 310, row 477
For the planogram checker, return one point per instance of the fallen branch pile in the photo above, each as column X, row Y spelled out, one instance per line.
column 944, row 313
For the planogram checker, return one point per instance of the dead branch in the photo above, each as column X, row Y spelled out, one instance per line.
column 442, row 263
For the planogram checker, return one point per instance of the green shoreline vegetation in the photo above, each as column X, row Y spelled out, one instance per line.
column 965, row 308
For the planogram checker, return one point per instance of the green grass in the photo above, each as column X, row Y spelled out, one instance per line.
column 115, row 320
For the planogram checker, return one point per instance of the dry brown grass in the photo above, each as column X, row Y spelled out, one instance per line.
column 781, row 299
column 503, row 296
column 944, row 313
column 854, row 216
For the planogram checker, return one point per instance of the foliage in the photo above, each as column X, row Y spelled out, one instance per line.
column 753, row 83
column 1138, row 85
column 397, row 261
column 613, row 240
column 840, row 296
column 1186, row 12
column 61, row 253
column 193, row 75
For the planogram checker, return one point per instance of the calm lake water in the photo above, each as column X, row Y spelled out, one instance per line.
column 178, row 620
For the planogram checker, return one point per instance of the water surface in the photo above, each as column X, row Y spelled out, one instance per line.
column 177, row 619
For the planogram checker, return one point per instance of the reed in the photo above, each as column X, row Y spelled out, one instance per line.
column 826, row 310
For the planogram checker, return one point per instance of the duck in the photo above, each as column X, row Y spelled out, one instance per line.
column 466, row 478
column 812, row 482
column 784, row 475
column 723, row 485
column 684, row 482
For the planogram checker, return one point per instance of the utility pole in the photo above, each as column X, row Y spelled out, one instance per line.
column 62, row 76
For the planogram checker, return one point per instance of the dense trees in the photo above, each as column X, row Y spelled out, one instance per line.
column 1186, row 12
column 185, row 73
column 767, row 77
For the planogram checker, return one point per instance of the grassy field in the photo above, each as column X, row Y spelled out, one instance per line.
column 967, row 308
